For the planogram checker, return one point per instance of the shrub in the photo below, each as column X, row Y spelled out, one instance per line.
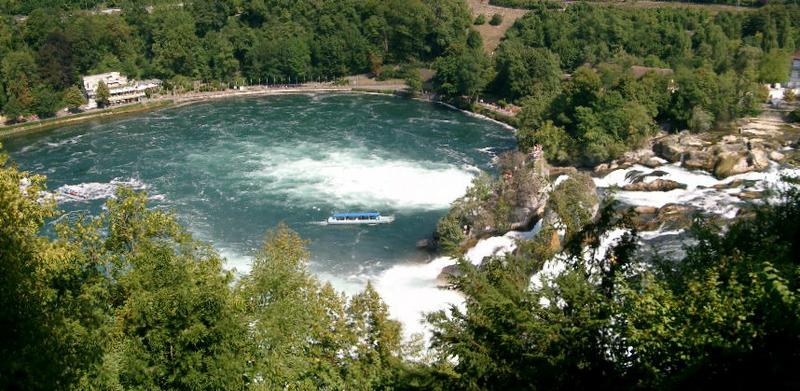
column 481, row 19
column 794, row 116
column 496, row 20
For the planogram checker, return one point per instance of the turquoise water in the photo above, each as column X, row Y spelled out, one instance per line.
column 232, row 169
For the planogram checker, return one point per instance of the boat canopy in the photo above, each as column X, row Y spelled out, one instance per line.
column 356, row 215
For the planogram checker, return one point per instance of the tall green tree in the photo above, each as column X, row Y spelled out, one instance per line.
column 524, row 71
column 51, row 296
column 73, row 98
column 463, row 72
column 102, row 95
column 176, row 322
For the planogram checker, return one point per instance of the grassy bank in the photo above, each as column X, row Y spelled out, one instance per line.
column 50, row 123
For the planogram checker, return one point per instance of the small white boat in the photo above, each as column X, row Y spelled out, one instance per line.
column 370, row 218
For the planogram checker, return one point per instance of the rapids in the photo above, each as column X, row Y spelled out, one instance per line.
column 233, row 169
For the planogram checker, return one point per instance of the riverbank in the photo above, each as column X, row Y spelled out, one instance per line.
column 179, row 100
column 52, row 123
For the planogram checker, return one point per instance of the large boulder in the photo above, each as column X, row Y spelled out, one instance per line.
column 448, row 275
column 573, row 203
column 674, row 147
column 739, row 162
column 698, row 160
column 529, row 188
column 656, row 185
column 668, row 217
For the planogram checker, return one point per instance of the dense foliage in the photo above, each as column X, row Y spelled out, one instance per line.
column 129, row 300
column 725, row 316
column 220, row 41
column 594, row 81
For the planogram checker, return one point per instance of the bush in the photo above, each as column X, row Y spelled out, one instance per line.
column 794, row 116
column 481, row 19
column 496, row 20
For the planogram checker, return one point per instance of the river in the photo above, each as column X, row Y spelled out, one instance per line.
column 232, row 169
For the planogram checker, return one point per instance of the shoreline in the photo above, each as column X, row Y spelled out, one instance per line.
column 28, row 128
column 181, row 100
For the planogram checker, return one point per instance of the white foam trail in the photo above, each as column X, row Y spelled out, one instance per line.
column 699, row 192
column 481, row 116
column 499, row 245
column 97, row 191
column 410, row 291
column 355, row 177
column 553, row 267
column 238, row 263
column 72, row 140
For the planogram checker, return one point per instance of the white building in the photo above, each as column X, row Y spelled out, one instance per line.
column 121, row 90
column 794, row 77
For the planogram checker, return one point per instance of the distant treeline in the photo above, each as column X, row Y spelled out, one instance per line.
column 535, row 4
column 44, row 54
column 594, row 81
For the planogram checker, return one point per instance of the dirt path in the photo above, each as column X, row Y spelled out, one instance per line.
column 493, row 34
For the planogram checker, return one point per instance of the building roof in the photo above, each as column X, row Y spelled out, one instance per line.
column 112, row 79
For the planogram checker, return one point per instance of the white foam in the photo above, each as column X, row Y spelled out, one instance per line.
column 481, row 116
column 410, row 291
column 236, row 262
column 559, row 180
column 355, row 177
column 499, row 245
column 699, row 192
column 97, row 191
column 555, row 266
column 69, row 141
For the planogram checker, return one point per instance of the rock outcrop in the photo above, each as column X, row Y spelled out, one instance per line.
column 573, row 203
column 514, row 201
column 668, row 217
column 656, row 185
column 730, row 155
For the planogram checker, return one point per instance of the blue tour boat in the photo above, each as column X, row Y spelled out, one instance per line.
column 359, row 218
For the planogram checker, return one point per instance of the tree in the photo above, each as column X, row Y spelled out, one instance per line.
column 480, row 20
column 74, row 98
column 55, row 62
column 523, row 71
column 102, row 95
column 463, row 72
column 700, row 120
column 18, row 73
column 175, row 322
column 496, row 20
column 49, row 293
column 378, row 342
column 176, row 49
column 304, row 336
column 775, row 67
column 45, row 102
column 412, row 78
column 555, row 141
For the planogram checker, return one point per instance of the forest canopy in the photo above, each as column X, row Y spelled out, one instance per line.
column 45, row 52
